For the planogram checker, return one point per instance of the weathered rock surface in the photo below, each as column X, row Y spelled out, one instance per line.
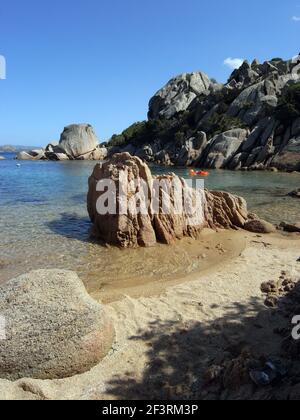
column 53, row 328
column 78, row 140
column 261, row 101
column 225, row 210
column 165, row 216
column 223, row 148
column 259, row 226
column 191, row 150
column 178, row 93
column 32, row 155
column 125, row 229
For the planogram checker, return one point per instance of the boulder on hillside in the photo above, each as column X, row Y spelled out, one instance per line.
column 192, row 149
column 78, row 141
column 53, row 328
column 223, row 147
column 178, row 94
column 289, row 157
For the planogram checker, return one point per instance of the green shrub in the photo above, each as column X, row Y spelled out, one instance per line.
column 220, row 123
column 131, row 133
column 289, row 104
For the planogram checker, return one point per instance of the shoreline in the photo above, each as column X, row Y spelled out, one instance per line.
column 192, row 325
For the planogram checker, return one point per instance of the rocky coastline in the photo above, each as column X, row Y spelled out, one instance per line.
column 252, row 122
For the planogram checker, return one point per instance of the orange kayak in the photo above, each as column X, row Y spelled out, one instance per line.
column 198, row 173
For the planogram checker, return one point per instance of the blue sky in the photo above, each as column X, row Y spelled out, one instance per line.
column 100, row 61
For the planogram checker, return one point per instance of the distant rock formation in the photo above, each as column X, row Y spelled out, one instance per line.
column 251, row 122
column 77, row 142
column 178, row 94
column 54, row 329
column 153, row 222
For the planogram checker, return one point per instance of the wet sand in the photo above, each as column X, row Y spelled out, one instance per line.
column 148, row 272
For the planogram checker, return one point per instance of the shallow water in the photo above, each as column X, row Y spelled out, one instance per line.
column 44, row 222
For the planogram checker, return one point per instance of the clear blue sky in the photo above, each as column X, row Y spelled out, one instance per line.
column 99, row 61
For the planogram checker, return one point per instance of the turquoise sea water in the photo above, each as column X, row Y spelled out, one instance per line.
column 44, row 222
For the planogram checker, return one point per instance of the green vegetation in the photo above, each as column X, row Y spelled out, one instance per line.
column 126, row 137
column 219, row 123
column 289, row 104
column 277, row 59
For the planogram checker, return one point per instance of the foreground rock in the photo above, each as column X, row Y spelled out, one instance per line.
column 169, row 217
column 259, row 226
column 77, row 142
column 291, row 228
column 53, row 328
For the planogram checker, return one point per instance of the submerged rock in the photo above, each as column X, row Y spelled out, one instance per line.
column 295, row 193
column 54, row 329
column 289, row 227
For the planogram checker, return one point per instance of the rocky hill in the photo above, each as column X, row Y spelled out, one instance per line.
column 251, row 122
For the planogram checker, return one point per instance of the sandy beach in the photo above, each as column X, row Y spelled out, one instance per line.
column 166, row 341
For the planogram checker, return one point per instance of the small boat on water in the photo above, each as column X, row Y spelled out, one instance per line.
column 198, row 173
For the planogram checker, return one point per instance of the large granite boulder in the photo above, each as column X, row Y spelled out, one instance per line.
column 79, row 141
column 289, row 157
column 177, row 94
column 223, row 147
column 225, row 210
column 54, row 329
column 192, row 150
column 168, row 208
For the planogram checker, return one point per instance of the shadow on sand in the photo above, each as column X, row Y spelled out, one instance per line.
column 180, row 354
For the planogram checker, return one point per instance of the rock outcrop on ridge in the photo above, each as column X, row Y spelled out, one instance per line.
column 154, row 212
column 53, row 328
column 250, row 122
